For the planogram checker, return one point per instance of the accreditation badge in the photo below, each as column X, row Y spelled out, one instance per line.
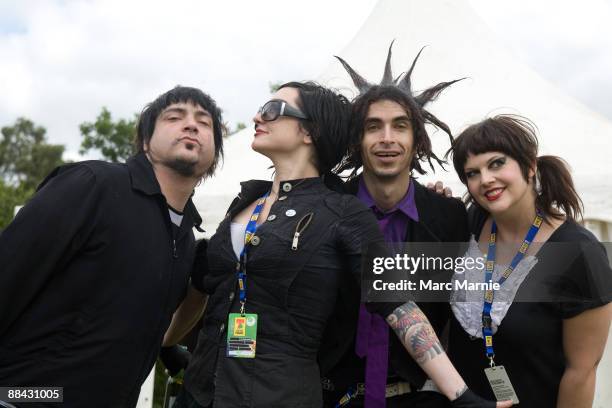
column 500, row 384
column 241, row 335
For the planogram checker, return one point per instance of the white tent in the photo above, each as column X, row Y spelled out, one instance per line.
column 459, row 44
column 241, row 163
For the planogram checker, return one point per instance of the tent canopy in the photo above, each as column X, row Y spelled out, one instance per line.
column 458, row 44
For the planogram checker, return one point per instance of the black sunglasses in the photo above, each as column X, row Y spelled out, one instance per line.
column 275, row 108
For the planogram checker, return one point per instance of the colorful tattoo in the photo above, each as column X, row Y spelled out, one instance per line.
column 415, row 332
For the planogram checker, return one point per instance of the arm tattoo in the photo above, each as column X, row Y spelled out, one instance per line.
column 415, row 332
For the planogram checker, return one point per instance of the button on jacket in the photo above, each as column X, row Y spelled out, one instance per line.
column 90, row 276
column 293, row 291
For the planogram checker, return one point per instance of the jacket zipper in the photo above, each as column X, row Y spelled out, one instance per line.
column 302, row 224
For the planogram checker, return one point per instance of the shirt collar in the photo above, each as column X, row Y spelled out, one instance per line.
column 253, row 189
column 406, row 205
column 142, row 174
column 143, row 179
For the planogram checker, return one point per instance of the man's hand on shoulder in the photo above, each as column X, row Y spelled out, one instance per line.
column 439, row 188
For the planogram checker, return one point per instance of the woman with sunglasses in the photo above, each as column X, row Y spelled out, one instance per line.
column 548, row 319
column 271, row 298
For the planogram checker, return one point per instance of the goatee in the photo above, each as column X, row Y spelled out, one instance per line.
column 183, row 167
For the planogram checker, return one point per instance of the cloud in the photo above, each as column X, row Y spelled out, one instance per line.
column 568, row 43
column 61, row 61
column 75, row 57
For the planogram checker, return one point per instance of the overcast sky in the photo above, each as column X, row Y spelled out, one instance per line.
column 61, row 61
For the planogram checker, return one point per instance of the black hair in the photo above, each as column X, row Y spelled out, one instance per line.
column 328, row 115
column 397, row 90
column 516, row 136
column 180, row 94
column 422, row 148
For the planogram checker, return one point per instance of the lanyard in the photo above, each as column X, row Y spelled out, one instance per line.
column 251, row 227
column 346, row 398
column 487, row 331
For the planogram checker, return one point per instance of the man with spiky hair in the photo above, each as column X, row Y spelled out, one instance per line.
column 93, row 267
column 390, row 143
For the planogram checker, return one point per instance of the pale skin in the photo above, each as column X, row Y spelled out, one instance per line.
column 418, row 337
column 193, row 306
column 513, row 215
column 387, row 153
column 291, row 151
column 582, row 354
column 291, row 157
column 183, row 132
column 292, row 160
column 408, row 321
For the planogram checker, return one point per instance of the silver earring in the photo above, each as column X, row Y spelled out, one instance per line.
column 538, row 185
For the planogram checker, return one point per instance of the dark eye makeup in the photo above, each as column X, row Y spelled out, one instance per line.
column 497, row 162
column 493, row 164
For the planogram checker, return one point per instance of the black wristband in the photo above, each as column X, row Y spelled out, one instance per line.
column 175, row 358
column 470, row 399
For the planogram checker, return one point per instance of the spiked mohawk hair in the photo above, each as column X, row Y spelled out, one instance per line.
column 398, row 90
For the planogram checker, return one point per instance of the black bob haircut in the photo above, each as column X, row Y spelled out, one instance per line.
column 516, row 137
column 180, row 94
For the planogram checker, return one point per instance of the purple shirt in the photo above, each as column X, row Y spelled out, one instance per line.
column 372, row 340
column 394, row 222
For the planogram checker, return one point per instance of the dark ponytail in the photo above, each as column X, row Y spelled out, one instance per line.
column 556, row 190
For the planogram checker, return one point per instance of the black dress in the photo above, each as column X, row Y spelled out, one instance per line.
column 528, row 342
column 292, row 291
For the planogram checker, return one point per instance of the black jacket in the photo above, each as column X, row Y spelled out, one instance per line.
column 292, row 291
column 441, row 219
column 90, row 277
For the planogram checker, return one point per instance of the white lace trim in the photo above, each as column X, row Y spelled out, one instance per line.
column 469, row 313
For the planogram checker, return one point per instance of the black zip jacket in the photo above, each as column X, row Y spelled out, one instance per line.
column 293, row 291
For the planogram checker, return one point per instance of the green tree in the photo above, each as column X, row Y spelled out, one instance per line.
column 114, row 140
column 11, row 197
column 25, row 159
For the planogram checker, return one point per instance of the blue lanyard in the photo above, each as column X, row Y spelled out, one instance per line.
column 251, row 227
column 487, row 331
column 346, row 398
